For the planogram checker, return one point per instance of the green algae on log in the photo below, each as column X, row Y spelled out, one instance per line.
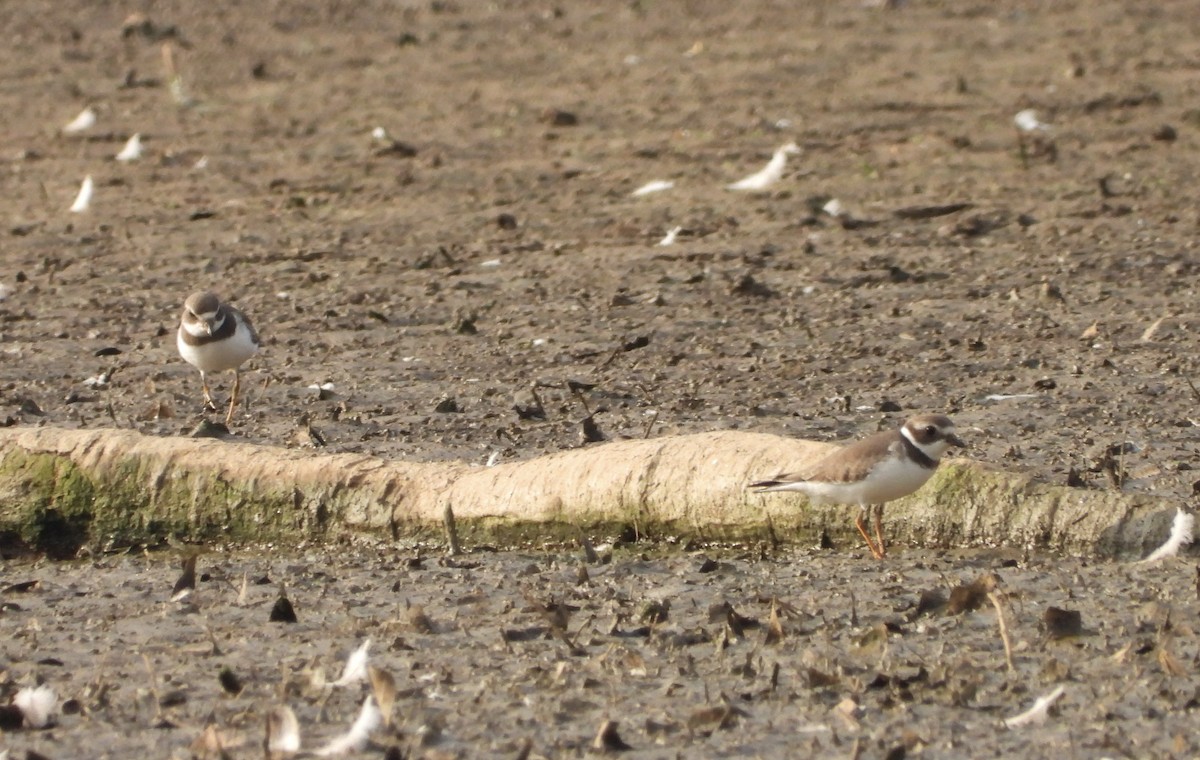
column 61, row 490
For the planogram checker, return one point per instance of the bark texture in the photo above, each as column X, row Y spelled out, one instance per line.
column 64, row 489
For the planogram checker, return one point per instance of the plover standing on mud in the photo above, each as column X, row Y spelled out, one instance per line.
column 875, row 470
column 215, row 337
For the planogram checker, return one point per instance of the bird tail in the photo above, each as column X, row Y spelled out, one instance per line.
column 765, row 485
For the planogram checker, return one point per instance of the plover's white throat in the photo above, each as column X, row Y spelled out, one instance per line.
column 215, row 337
column 875, row 470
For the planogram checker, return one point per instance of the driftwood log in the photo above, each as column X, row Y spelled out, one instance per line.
column 61, row 490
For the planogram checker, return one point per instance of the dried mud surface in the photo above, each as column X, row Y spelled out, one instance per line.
column 495, row 244
column 492, row 653
column 507, row 250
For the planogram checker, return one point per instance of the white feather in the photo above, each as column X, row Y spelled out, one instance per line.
column 38, row 704
column 657, row 186
column 672, row 233
column 81, row 123
column 1027, row 121
column 132, row 150
column 356, row 666
column 1037, row 713
column 770, row 174
column 369, row 719
column 283, row 733
column 1181, row 536
column 84, row 199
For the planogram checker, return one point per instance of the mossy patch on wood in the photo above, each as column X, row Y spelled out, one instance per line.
column 54, row 506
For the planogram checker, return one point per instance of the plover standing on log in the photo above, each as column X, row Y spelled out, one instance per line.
column 878, row 469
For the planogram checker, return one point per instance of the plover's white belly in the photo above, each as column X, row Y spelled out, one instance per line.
column 220, row 355
column 895, row 479
column 890, row 480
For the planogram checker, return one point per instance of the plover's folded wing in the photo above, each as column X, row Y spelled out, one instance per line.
column 848, row 464
column 241, row 316
column 853, row 463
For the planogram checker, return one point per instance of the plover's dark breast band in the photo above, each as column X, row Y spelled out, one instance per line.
column 913, row 451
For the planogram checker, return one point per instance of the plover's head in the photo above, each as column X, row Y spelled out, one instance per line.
column 200, row 313
column 932, row 434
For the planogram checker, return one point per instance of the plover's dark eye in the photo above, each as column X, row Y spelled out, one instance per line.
column 930, row 430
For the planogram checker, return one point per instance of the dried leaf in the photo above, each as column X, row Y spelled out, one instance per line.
column 1170, row 664
column 187, row 579
column 369, row 718
column 39, row 705
column 1060, row 623
column 971, row 596
column 383, row 686
column 1037, row 713
column 230, row 681
column 419, row 621
column 1148, row 335
column 608, row 740
column 775, row 632
column 283, row 732
column 356, row 666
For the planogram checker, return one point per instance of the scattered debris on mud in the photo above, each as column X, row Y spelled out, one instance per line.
column 486, row 231
column 548, row 655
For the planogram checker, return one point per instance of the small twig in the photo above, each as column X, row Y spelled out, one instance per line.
column 262, row 390
column 452, row 546
column 1148, row 334
column 174, row 78
column 589, row 551
column 650, row 423
column 998, row 603
column 168, row 58
column 856, row 749
column 774, row 539
column 1192, row 385
column 1121, row 460
column 537, row 399
column 611, row 357
column 579, row 395
column 266, row 742
column 153, row 686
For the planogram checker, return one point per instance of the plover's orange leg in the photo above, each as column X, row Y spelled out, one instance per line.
column 233, row 397
column 861, row 524
column 879, row 529
column 208, row 402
